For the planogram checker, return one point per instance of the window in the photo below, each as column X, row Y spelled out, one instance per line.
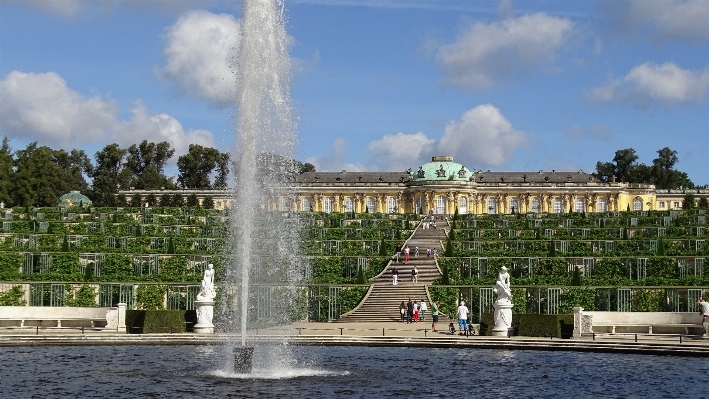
column 370, row 205
column 602, row 205
column 637, row 204
column 327, row 205
column 349, row 204
column 514, row 205
column 285, row 204
column 491, row 206
column 392, row 204
column 580, row 205
column 536, row 205
column 557, row 205
column 662, row 204
column 675, row 204
column 441, row 205
column 419, row 204
column 463, row 205
column 306, row 204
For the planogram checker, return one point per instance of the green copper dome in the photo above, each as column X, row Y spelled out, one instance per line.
column 74, row 198
column 442, row 168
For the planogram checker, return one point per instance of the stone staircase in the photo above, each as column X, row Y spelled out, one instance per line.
column 381, row 304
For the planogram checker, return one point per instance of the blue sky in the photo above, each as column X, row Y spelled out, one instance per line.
column 377, row 84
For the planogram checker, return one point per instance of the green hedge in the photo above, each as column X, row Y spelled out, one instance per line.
column 160, row 321
column 534, row 325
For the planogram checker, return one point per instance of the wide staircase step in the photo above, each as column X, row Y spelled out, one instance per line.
column 383, row 301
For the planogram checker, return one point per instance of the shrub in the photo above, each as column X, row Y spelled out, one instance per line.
column 159, row 321
column 151, row 297
column 533, row 325
column 13, row 297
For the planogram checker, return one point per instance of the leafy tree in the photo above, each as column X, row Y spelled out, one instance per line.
column 6, row 173
column 198, row 164
column 192, row 200
column 39, row 179
column 109, row 175
column 208, row 202
column 688, row 202
column 307, row 167
column 146, row 163
column 703, row 203
column 663, row 172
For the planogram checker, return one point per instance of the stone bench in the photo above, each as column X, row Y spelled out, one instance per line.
column 594, row 322
column 63, row 317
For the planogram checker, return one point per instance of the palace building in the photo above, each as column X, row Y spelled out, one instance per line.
column 443, row 186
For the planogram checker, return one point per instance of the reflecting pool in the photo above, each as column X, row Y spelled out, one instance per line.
column 352, row 372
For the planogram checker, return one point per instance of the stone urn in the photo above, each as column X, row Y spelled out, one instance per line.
column 503, row 317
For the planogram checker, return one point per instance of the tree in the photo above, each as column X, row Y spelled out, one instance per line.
column 75, row 165
column 208, row 202
column 146, row 163
column 192, row 200
column 625, row 161
column 6, row 173
column 703, row 203
column 40, row 180
column 197, row 166
column 688, row 202
column 307, row 167
column 664, row 174
column 109, row 175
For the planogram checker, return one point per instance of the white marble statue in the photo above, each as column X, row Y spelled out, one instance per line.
column 503, row 305
column 502, row 286
column 206, row 290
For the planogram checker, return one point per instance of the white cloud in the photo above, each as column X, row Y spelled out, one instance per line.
column 485, row 54
column 200, row 52
column 40, row 106
column 481, row 137
column 661, row 20
column 397, row 152
column 157, row 128
column 649, row 81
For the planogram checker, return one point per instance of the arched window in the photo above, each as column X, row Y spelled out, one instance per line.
column 536, row 205
column 370, row 205
column 491, row 206
column 306, row 204
column 514, row 205
column 349, row 204
column 637, row 204
column 441, row 205
column 580, row 205
column 601, row 205
column 327, row 205
column 391, row 202
column 419, row 204
column 463, row 205
column 557, row 205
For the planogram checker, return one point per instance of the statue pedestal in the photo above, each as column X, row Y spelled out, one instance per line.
column 502, row 317
column 205, row 311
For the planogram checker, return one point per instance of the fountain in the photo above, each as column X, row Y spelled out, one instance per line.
column 264, row 154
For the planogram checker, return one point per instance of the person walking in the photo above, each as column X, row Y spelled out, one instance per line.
column 416, row 312
column 428, row 252
column 398, row 253
column 462, row 318
column 416, row 252
column 705, row 315
column 422, row 310
column 409, row 311
column 415, row 275
column 406, row 255
column 394, row 276
column 434, row 314
column 402, row 310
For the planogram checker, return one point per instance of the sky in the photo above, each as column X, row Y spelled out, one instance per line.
column 378, row 85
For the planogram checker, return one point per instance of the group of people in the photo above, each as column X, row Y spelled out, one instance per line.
column 395, row 275
column 430, row 222
column 413, row 312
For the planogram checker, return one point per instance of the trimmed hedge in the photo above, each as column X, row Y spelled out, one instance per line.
column 160, row 321
column 534, row 325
